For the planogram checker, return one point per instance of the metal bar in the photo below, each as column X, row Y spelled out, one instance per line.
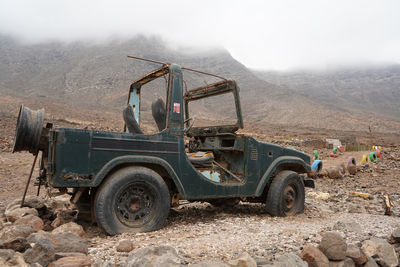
column 148, row 60
column 228, row 171
column 29, row 180
column 206, row 73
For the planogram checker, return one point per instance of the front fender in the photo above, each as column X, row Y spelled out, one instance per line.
column 295, row 161
column 105, row 170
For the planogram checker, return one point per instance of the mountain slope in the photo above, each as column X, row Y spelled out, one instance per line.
column 88, row 77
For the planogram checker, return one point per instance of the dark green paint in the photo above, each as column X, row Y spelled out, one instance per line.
column 84, row 158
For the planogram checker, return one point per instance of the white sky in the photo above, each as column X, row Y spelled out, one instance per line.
column 280, row 34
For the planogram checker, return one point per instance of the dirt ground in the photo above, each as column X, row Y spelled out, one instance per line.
column 201, row 231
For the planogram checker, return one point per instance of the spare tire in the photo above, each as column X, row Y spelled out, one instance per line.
column 28, row 130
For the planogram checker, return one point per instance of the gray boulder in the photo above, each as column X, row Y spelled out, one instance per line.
column 345, row 263
column 289, row 260
column 15, row 213
column 62, row 242
column 333, row 246
column 314, row 257
column 153, row 257
column 383, row 253
column 356, row 254
column 42, row 252
column 12, row 232
column 396, row 235
column 244, row 260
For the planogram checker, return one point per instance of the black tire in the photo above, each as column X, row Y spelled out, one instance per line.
column 286, row 195
column 133, row 199
column 231, row 202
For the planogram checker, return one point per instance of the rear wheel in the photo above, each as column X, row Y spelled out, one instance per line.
column 286, row 194
column 133, row 199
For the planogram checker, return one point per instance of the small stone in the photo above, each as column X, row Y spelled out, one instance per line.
column 314, row 257
column 333, row 246
column 70, row 227
column 352, row 169
column 153, row 257
column 125, row 246
column 356, row 254
column 6, row 254
column 396, row 235
column 347, row 226
column 209, row 264
column 78, row 261
column 381, row 251
column 34, row 221
column 245, row 260
column 60, row 255
column 371, row 263
column 19, row 244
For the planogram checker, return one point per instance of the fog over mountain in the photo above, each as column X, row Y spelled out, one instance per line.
column 97, row 77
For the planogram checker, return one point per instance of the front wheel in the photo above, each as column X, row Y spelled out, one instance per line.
column 286, row 194
column 133, row 199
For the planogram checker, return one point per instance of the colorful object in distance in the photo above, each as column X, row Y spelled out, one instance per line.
column 316, row 155
column 364, row 159
column 317, row 165
column 334, row 150
column 378, row 153
column 372, row 156
column 351, row 161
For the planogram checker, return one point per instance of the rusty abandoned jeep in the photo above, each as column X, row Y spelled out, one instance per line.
column 130, row 179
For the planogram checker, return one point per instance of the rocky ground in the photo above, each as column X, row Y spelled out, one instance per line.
column 199, row 233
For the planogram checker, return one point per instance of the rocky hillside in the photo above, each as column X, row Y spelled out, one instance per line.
column 72, row 79
column 369, row 89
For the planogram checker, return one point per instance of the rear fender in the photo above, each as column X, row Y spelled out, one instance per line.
column 285, row 163
column 137, row 160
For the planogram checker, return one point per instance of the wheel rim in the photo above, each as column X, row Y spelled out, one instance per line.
column 289, row 199
column 135, row 204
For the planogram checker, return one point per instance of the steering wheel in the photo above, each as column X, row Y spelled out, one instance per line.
column 185, row 130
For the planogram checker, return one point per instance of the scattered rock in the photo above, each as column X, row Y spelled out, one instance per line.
column 347, row 226
column 319, row 195
column 333, row 246
column 6, row 254
column 42, row 252
column 371, row 263
column 63, row 217
column 16, row 213
column 153, row 257
column 34, row 221
column 245, row 260
column 60, row 255
column 70, row 227
column 383, row 253
column 356, row 254
column 62, row 242
column 396, row 235
column 125, row 245
column 209, row 264
column 314, row 257
column 352, row 169
column 78, row 261
column 19, row 244
column 12, row 232
column 289, row 259
column 345, row 263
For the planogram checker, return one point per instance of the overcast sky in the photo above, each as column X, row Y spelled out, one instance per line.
column 278, row 34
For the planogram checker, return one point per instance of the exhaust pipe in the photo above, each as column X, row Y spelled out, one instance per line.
column 28, row 130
